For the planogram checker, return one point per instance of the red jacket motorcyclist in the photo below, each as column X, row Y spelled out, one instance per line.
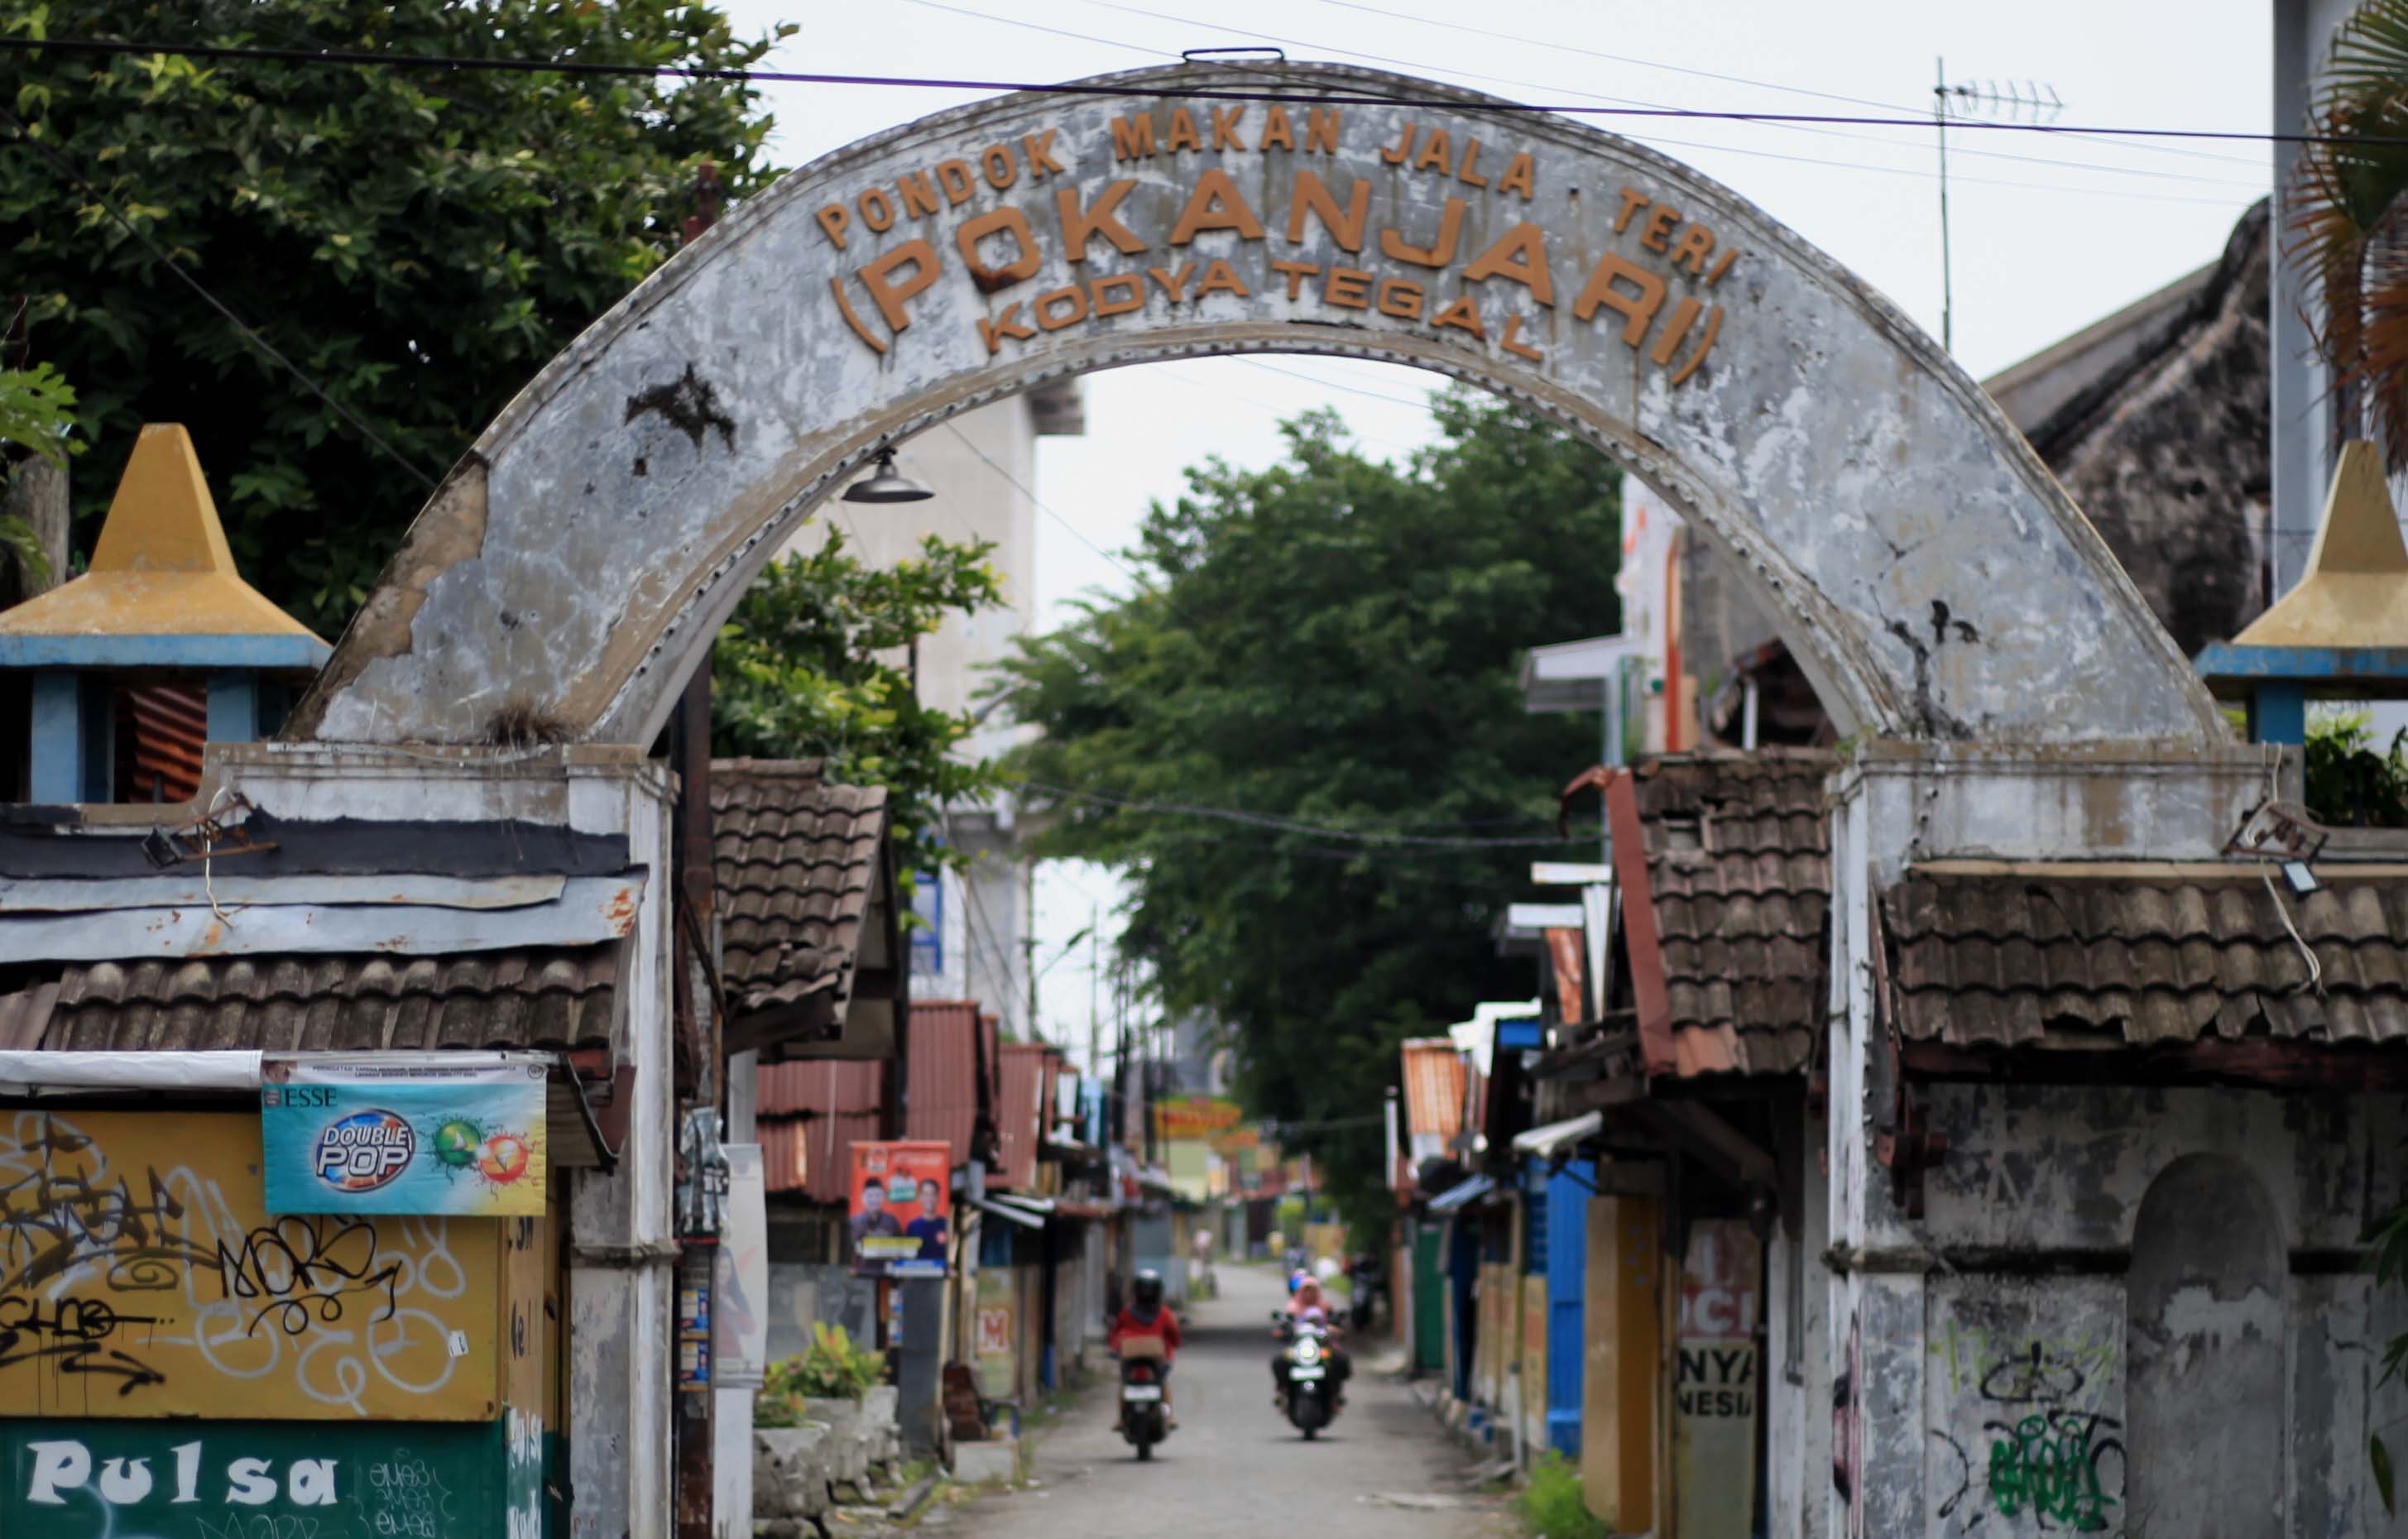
column 1157, row 1321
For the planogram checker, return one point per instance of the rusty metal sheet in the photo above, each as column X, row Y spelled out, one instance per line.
column 590, row 909
column 60, row 895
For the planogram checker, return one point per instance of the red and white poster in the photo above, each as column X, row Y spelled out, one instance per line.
column 901, row 1209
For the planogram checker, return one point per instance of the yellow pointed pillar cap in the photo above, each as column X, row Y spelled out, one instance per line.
column 2355, row 594
column 162, row 590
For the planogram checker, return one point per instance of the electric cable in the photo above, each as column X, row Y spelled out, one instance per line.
column 359, row 58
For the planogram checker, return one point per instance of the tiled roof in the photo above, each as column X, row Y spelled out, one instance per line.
column 2004, row 960
column 796, row 865
column 1739, row 872
column 530, row 999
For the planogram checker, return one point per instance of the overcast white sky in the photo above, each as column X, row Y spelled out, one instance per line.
column 2051, row 232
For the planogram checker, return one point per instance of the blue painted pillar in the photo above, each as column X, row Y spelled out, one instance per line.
column 233, row 707
column 2278, row 711
column 1569, row 1191
column 61, row 750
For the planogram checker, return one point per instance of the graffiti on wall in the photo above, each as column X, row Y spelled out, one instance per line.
column 142, row 1277
column 2028, row 1402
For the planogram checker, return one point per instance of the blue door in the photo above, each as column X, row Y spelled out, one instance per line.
column 1463, row 1256
column 1569, row 1190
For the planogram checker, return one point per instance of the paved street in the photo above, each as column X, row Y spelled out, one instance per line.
column 1235, row 1466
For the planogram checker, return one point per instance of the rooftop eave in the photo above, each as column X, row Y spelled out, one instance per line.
column 2231, row 670
column 299, row 654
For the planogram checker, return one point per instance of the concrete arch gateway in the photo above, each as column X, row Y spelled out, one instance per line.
column 1920, row 561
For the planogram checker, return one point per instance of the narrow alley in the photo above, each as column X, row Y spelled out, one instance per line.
column 1235, row 1466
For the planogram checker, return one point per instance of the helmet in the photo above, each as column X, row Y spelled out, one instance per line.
column 1145, row 1289
column 1297, row 1278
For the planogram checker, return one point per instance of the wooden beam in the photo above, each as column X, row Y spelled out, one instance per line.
column 1701, row 1132
column 2265, row 1062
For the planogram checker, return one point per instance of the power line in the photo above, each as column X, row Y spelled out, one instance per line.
column 1362, row 96
column 25, row 137
column 1420, row 68
column 1044, row 508
column 1291, row 825
column 1558, row 46
column 1660, row 140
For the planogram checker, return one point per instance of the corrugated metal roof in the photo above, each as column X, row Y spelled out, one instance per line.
column 810, row 1116
column 2008, row 960
column 1023, row 1085
column 1434, row 1071
column 796, row 862
column 530, row 999
column 950, row 1086
column 1739, row 878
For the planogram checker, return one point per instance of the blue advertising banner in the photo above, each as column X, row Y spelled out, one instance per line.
column 404, row 1135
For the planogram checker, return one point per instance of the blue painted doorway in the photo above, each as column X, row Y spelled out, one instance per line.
column 1569, row 1191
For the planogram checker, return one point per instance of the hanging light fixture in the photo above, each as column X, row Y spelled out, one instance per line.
column 885, row 484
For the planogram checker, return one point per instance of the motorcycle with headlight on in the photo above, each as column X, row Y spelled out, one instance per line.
column 1308, row 1377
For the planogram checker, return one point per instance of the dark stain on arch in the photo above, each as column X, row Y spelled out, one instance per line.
column 1941, row 623
column 1928, row 719
column 689, row 404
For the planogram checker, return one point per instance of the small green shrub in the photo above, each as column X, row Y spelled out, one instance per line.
column 2349, row 785
column 1551, row 1506
column 831, row 1368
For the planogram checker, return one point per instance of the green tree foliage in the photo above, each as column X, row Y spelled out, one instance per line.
column 2348, row 783
column 419, row 241
column 1332, row 642
column 37, row 416
column 816, row 665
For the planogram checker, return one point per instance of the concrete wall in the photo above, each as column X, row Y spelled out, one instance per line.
column 800, row 1295
column 620, row 1248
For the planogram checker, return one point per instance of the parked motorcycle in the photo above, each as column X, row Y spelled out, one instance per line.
column 1366, row 1274
column 1310, row 1383
column 1145, row 1420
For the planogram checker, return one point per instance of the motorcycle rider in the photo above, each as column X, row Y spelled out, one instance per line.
column 1308, row 1308
column 1145, row 1315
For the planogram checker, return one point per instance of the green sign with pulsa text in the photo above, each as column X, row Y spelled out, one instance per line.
column 180, row 1479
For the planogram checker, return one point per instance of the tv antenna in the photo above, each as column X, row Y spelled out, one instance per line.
column 2012, row 101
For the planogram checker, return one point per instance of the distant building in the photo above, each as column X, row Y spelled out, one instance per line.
column 982, row 467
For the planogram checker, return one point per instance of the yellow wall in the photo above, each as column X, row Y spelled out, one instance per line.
column 1534, row 1362
column 1622, row 1324
column 140, row 1264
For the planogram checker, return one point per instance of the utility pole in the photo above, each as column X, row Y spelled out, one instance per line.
column 2029, row 102
column 1947, row 282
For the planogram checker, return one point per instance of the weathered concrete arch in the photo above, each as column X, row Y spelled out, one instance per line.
column 1920, row 561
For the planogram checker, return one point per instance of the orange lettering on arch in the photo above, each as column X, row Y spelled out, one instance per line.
column 1181, row 134
column 1215, row 204
column 1096, row 219
column 1439, row 252
column 1520, row 254
column 1462, row 313
column 1312, row 195
column 891, row 295
column 1277, row 134
column 999, row 221
column 1221, row 278
column 1636, row 310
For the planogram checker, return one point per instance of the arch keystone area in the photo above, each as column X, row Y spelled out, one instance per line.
column 1923, row 565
